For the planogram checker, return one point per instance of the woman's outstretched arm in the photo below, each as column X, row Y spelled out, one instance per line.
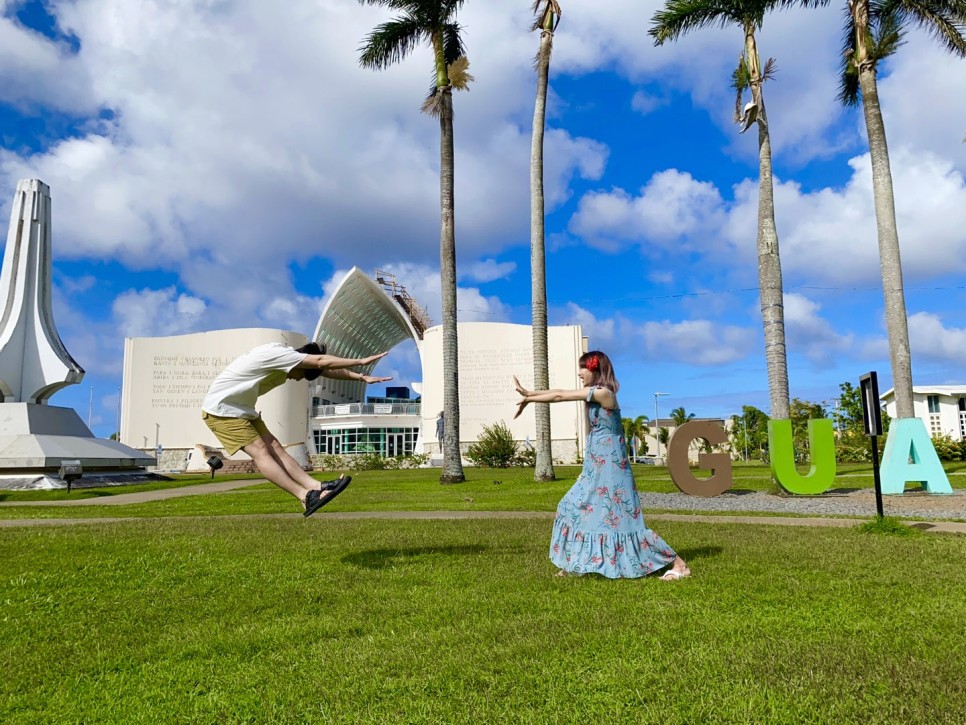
column 556, row 395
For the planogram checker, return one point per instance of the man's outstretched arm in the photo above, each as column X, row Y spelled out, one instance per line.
column 352, row 375
column 331, row 362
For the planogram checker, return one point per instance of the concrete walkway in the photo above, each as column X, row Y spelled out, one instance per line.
column 946, row 527
column 125, row 499
column 221, row 486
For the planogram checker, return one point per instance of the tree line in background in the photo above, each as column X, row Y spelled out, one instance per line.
column 873, row 31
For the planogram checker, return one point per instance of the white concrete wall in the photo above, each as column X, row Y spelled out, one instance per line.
column 166, row 378
column 490, row 354
column 949, row 421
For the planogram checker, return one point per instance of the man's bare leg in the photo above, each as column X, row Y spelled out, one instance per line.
column 273, row 469
column 292, row 467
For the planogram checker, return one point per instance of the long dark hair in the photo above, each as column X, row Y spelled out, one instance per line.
column 599, row 364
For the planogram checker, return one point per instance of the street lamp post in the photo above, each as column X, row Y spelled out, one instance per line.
column 657, row 427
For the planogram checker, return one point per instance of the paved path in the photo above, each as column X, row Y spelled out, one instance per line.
column 124, row 499
column 947, row 527
column 221, row 486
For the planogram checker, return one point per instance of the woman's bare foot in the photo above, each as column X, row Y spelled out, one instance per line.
column 562, row 573
column 679, row 569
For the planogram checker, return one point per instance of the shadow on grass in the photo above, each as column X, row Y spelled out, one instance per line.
column 382, row 558
column 701, row 552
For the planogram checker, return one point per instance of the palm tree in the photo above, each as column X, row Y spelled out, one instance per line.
column 680, row 17
column 680, row 416
column 873, row 31
column 635, row 429
column 433, row 22
column 547, row 18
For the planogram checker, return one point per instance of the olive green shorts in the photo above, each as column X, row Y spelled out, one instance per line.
column 235, row 433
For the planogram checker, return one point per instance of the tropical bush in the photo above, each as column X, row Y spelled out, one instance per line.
column 947, row 449
column 527, row 458
column 366, row 462
column 495, row 447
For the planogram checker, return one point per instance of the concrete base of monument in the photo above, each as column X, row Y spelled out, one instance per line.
column 37, row 439
column 100, row 479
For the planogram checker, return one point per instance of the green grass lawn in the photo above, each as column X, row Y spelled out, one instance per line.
column 292, row 620
column 510, row 489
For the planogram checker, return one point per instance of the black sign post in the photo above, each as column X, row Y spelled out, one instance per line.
column 872, row 418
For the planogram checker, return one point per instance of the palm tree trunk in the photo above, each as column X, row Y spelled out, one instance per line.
column 452, row 462
column 769, row 259
column 538, row 265
column 897, row 325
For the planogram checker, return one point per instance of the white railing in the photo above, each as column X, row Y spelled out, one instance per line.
column 347, row 409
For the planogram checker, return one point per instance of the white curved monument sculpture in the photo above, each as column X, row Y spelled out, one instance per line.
column 34, row 364
column 35, row 438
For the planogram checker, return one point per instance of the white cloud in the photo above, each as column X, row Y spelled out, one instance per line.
column 931, row 340
column 601, row 334
column 157, row 313
column 487, row 270
column 241, row 137
column 672, row 206
column 918, row 109
column 644, row 103
column 299, row 313
column 698, row 342
column 829, row 235
column 692, row 342
column 810, row 335
column 37, row 71
column 826, row 236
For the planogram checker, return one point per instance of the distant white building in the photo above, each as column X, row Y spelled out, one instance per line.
column 941, row 407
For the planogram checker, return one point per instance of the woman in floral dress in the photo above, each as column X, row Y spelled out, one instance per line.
column 599, row 528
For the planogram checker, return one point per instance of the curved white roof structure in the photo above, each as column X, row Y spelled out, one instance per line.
column 361, row 319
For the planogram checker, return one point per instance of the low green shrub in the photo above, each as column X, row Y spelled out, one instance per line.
column 948, row 449
column 527, row 457
column 495, row 447
column 367, row 462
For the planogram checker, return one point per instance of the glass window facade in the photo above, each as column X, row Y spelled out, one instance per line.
column 387, row 442
column 933, row 401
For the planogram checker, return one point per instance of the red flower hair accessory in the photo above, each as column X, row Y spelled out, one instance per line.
column 593, row 362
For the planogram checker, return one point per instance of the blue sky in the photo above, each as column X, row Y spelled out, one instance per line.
column 222, row 164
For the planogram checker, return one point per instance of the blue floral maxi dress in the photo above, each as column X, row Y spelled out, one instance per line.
column 599, row 528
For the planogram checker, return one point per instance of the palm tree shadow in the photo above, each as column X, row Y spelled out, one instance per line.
column 383, row 558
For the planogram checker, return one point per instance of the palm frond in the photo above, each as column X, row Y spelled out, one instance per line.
column 459, row 75
column 849, row 74
column 771, row 69
column 682, row 16
column 886, row 36
column 453, row 48
column 547, row 13
column 390, row 42
column 741, row 77
column 740, row 81
column 944, row 20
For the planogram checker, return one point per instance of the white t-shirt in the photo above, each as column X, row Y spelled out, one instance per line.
column 233, row 393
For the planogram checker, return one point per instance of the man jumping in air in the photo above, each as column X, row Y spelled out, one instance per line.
column 229, row 411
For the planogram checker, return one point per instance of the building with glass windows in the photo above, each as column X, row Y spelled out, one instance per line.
column 166, row 378
column 366, row 315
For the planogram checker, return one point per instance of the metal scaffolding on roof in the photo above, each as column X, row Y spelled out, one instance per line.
column 417, row 315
